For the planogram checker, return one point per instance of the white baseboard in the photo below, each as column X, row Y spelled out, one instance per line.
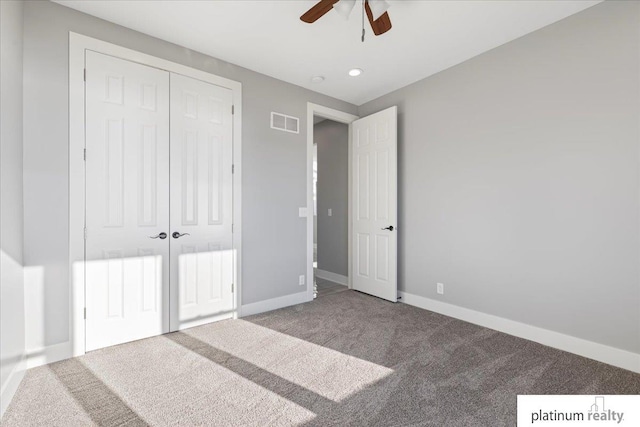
column 332, row 277
column 49, row 354
column 600, row 352
column 274, row 303
column 11, row 385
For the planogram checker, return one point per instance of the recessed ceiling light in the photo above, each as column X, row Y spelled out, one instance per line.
column 355, row 72
column 317, row 79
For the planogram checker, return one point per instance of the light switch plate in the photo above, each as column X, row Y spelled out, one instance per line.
column 302, row 212
column 330, row 212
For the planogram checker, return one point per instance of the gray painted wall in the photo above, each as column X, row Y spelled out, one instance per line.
column 12, row 347
column 11, row 57
column 519, row 179
column 332, row 139
column 274, row 162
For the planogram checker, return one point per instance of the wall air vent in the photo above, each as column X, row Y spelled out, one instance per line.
column 285, row 123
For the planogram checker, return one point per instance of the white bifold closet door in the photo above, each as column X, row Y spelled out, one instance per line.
column 127, row 201
column 375, row 204
column 159, row 254
column 202, row 259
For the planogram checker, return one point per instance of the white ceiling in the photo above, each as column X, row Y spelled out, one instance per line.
column 268, row 36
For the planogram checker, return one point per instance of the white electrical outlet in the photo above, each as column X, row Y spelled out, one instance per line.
column 440, row 288
column 301, row 280
column 330, row 212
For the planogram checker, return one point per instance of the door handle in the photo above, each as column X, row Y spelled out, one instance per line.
column 390, row 228
column 162, row 236
column 177, row 235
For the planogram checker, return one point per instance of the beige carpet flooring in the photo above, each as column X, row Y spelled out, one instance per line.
column 345, row 359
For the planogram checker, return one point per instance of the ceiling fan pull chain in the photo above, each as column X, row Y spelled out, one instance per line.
column 363, row 20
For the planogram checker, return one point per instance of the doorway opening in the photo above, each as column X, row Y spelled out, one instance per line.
column 328, row 190
column 330, row 205
column 372, row 195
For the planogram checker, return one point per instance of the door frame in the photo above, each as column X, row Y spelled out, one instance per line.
column 78, row 44
column 341, row 117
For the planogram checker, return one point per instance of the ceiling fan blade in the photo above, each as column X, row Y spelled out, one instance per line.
column 381, row 25
column 318, row 11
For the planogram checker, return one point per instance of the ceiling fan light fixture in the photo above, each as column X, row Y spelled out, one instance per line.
column 344, row 7
column 378, row 8
column 355, row 72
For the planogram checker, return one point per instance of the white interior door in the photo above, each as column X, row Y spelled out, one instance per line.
column 202, row 259
column 127, row 201
column 374, row 204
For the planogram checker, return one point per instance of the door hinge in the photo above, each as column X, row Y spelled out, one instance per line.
column 85, row 75
column 84, row 154
column 233, row 168
column 232, row 288
column 232, row 228
column 85, row 233
column 85, row 313
column 233, row 109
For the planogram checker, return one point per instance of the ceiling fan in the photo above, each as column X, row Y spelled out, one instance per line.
column 376, row 12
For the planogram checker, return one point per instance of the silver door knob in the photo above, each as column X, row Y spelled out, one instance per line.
column 159, row 236
column 177, row 235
